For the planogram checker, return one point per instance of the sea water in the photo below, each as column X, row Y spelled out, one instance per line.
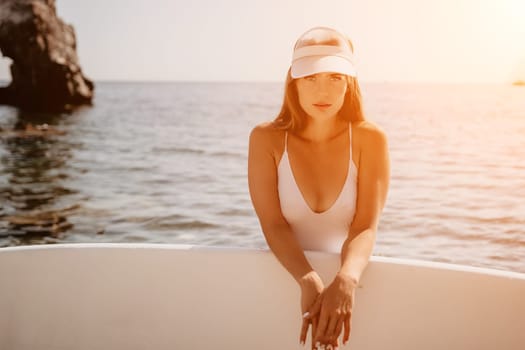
column 167, row 163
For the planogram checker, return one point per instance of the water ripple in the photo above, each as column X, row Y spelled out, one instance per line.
column 140, row 170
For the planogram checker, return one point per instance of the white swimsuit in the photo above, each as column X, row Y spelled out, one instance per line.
column 325, row 231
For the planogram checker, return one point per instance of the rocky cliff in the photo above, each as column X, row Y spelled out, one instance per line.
column 46, row 75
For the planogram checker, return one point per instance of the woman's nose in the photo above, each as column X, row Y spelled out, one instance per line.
column 322, row 87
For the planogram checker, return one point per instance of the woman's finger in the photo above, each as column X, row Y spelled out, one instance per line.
column 315, row 308
column 347, row 326
column 338, row 329
column 321, row 326
column 332, row 325
column 331, row 334
column 304, row 331
column 315, row 322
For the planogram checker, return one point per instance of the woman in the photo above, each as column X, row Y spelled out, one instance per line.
column 318, row 177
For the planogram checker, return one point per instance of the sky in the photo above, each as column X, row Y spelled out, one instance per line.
column 445, row 41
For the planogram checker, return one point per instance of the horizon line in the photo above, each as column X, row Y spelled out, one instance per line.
column 5, row 82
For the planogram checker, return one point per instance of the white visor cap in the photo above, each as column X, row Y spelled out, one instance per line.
column 312, row 59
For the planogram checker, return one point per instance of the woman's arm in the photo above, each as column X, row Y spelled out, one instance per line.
column 373, row 182
column 336, row 303
column 262, row 181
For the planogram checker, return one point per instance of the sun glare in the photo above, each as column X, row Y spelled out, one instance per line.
column 515, row 14
column 506, row 20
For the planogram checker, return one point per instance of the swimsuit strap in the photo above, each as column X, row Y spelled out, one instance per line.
column 350, row 134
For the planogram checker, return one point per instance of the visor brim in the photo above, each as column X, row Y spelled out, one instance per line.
column 317, row 64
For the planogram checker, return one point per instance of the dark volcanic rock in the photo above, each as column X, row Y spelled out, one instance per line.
column 45, row 70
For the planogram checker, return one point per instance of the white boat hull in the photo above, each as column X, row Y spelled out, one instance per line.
column 162, row 296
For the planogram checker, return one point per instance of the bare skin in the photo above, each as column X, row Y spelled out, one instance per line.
column 316, row 156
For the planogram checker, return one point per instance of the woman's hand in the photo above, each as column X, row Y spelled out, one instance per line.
column 311, row 288
column 335, row 310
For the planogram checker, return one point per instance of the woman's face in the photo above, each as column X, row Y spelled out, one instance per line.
column 322, row 95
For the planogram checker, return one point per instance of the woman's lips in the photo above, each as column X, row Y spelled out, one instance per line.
column 321, row 105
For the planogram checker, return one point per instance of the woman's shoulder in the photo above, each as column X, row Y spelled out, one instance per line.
column 266, row 134
column 369, row 132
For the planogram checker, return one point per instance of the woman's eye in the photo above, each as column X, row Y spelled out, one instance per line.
column 332, row 78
